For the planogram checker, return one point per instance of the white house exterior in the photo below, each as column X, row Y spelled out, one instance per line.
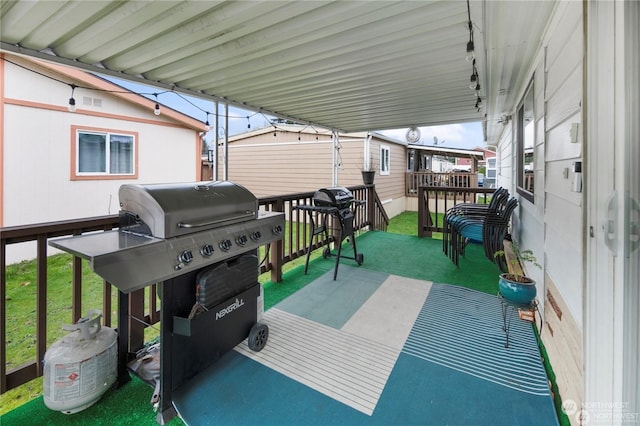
column 578, row 115
column 40, row 153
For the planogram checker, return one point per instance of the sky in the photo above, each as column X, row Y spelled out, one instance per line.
column 463, row 135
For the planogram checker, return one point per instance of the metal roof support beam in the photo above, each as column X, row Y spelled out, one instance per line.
column 226, row 142
column 216, row 141
column 335, row 139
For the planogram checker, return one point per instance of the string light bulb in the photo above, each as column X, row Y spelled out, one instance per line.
column 206, row 124
column 72, row 101
column 473, row 81
column 470, row 51
column 248, row 123
column 470, row 46
column 156, row 109
column 478, row 104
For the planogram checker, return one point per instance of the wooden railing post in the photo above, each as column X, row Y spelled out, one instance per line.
column 277, row 249
column 136, row 320
column 3, row 317
column 76, row 289
column 41, row 310
column 424, row 215
column 371, row 206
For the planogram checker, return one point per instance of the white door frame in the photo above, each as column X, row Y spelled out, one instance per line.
column 611, row 286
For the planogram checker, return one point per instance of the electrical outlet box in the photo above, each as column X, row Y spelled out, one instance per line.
column 574, row 132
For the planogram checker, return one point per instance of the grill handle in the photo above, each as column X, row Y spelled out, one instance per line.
column 215, row 222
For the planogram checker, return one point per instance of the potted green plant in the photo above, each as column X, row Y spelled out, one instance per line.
column 515, row 286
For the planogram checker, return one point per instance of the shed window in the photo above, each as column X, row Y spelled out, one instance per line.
column 384, row 159
column 104, row 154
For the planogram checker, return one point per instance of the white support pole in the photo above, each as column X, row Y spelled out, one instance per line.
column 336, row 156
column 216, row 140
column 226, row 142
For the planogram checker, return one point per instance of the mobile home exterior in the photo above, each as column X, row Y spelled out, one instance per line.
column 48, row 173
column 289, row 158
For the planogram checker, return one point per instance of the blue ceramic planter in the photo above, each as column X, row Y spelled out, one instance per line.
column 516, row 292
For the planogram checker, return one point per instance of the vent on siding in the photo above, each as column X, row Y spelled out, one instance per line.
column 89, row 101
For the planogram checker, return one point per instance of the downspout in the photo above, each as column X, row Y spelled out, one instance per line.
column 367, row 153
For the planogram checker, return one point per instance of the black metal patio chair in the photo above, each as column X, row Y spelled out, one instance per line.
column 467, row 211
column 489, row 230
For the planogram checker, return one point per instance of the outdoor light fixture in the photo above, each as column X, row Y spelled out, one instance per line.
column 470, row 53
column 470, row 47
column 479, row 104
column 473, row 81
column 156, row 109
column 72, row 101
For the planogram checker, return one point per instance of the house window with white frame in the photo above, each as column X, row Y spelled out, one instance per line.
column 385, row 153
column 104, row 154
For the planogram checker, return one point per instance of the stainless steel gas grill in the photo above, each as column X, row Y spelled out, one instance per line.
column 199, row 241
column 337, row 203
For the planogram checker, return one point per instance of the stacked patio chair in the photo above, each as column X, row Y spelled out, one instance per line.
column 465, row 211
column 488, row 229
column 495, row 230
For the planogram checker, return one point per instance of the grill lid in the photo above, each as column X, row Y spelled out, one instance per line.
column 170, row 210
column 339, row 197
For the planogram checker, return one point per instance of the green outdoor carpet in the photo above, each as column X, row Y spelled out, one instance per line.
column 401, row 255
column 377, row 349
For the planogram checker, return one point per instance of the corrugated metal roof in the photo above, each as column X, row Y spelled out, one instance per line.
column 348, row 65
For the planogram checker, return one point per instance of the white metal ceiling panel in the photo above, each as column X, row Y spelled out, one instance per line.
column 347, row 65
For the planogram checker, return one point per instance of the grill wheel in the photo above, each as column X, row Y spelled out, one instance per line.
column 258, row 337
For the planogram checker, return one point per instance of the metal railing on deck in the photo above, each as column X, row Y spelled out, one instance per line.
column 434, row 201
column 296, row 238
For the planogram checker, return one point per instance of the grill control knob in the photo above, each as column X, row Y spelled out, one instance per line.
column 225, row 245
column 277, row 229
column 206, row 250
column 242, row 240
column 256, row 235
column 186, row 256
